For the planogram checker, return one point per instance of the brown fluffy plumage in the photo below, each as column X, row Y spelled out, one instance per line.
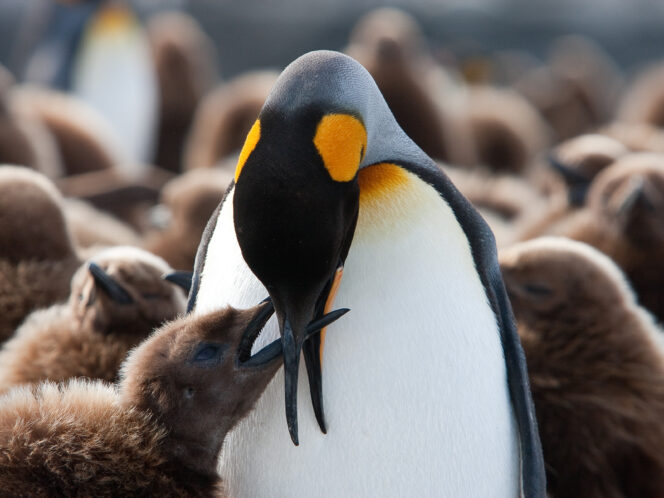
column 638, row 137
column 587, row 155
column 190, row 200
column 185, row 61
column 37, row 258
column 576, row 91
column 643, row 101
column 570, row 169
column 24, row 141
column 84, row 138
column 159, row 434
column 93, row 228
column 507, row 130
column 90, row 335
column 223, row 118
column 126, row 198
column 623, row 219
column 596, row 367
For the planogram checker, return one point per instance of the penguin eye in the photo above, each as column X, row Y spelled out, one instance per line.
column 538, row 290
column 208, row 354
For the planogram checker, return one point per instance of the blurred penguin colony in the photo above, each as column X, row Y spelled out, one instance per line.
column 117, row 149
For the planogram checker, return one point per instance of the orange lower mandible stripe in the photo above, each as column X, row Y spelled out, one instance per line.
column 328, row 305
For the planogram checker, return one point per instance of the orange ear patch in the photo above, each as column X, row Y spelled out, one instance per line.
column 341, row 141
column 250, row 142
column 379, row 180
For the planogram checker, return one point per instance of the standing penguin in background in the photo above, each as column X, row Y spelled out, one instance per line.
column 426, row 389
column 98, row 51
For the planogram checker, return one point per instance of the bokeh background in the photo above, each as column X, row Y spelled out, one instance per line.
column 269, row 33
column 548, row 116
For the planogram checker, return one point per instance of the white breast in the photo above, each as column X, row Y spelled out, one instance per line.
column 414, row 377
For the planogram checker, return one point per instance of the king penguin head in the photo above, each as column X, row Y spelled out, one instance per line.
column 296, row 198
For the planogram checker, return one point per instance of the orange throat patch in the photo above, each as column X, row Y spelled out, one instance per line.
column 380, row 181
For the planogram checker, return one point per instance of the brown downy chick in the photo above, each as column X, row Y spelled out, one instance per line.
column 565, row 178
column 159, row 434
column 185, row 61
column 507, row 130
column 589, row 69
column 623, row 219
column 576, row 91
column 596, row 367
column 637, row 137
column 93, row 229
column 37, row 257
column 188, row 202
column 643, row 101
column 580, row 159
column 224, row 117
column 24, row 141
column 84, row 138
column 572, row 167
column 116, row 300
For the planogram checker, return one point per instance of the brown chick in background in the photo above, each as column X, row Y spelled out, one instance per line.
column 92, row 228
column 185, row 61
column 159, row 433
column 224, row 117
column 37, row 256
column 638, row 137
column 578, row 160
column 623, row 218
column 84, row 139
column 187, row 203
column 643, row 101
column 117, row 298
column 24, row 140
column 596, row 367
column 576, row 90
column 565, row 178
column 507, row 130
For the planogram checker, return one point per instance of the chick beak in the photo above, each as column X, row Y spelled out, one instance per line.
column 637, row 197
column 106, row 283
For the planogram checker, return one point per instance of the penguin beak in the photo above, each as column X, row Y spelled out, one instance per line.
column 291, row 350
column 310, row 343
column 106, row 283
column 289, row 346
column 275, row 348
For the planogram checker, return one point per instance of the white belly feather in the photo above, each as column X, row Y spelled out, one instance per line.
column 414, row 377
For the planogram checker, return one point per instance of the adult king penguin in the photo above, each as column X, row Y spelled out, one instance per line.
column 98, row 51
column 426, row 389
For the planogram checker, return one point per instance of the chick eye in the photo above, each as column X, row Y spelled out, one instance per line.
column 538, row 290
column 207, row 354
